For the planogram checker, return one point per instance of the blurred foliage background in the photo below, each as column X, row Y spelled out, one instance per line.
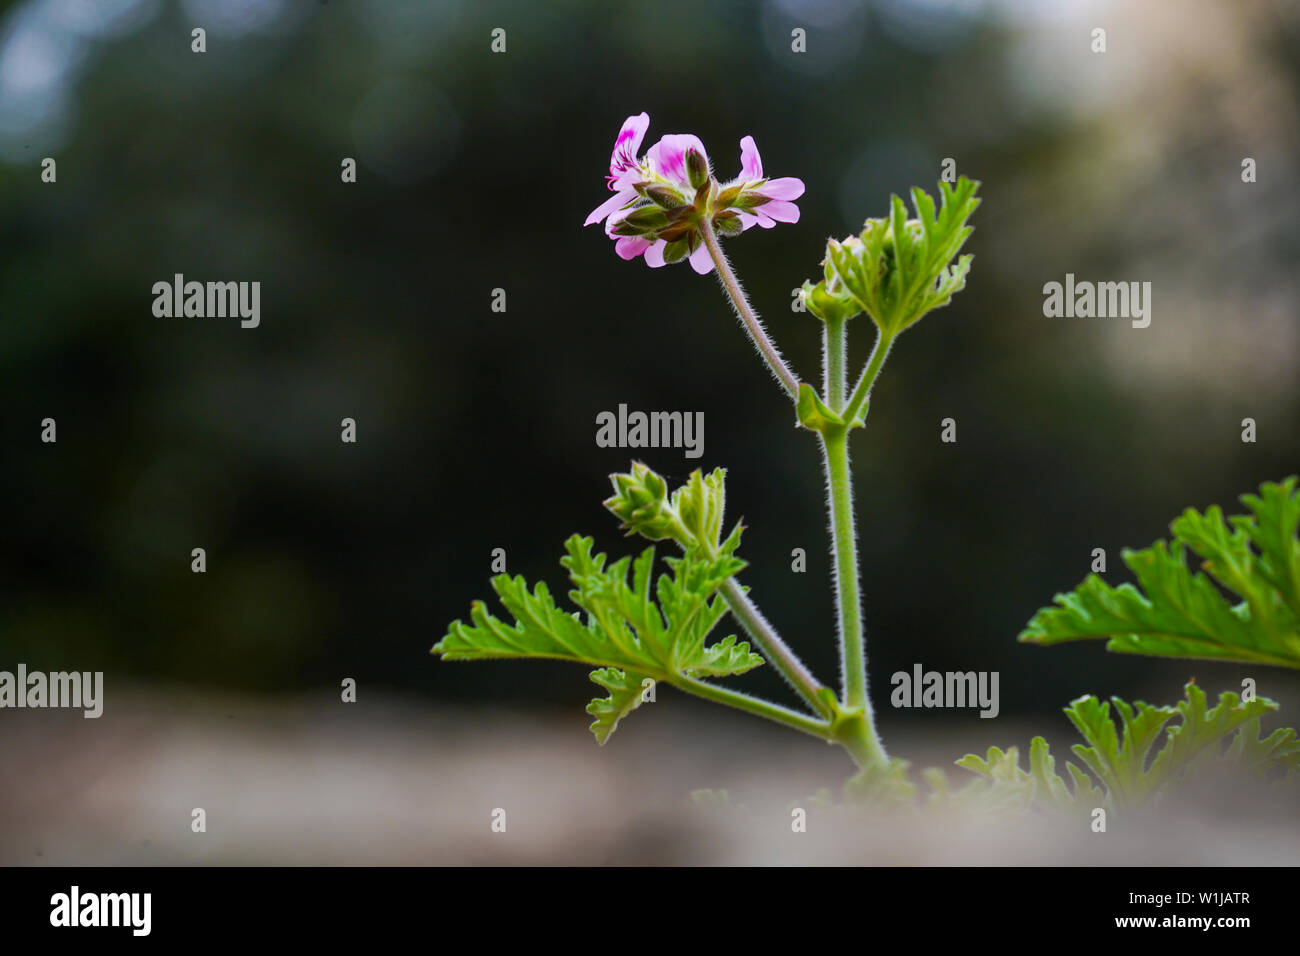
column 476, row 430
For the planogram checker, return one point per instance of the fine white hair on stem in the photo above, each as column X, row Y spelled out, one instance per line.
column 745, row 312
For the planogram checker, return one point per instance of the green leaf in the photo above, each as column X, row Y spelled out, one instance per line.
column 626, row 693
column 1122, row 759
column 1005, row 786
column 1276, row 517
column 1202, row 732
column 1175, row 612
column 1280, row 749
column 1118, row 758
column 1049, row 785
column 813, row 412
column 1119, row 754
column 630, row 628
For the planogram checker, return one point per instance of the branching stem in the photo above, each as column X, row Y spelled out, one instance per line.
column 754, row 705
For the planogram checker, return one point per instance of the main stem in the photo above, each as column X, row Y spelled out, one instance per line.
column 834, row 354
column 859, row 734
column 848, row 600
column 757, row 334
column 856, row 730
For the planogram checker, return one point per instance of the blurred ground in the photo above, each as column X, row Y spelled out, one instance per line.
column 314, row 781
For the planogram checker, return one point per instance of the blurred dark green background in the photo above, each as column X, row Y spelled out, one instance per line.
column 476, row 430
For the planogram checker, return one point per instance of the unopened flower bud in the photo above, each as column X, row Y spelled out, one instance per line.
column 640, row 502
column 665, row 196
column 697, row 168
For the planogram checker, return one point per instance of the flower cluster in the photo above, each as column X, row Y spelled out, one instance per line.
column 665, row 201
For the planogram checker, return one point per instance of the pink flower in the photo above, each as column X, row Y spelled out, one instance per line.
column 662, row 201
column 777, row 193
column 624, row 167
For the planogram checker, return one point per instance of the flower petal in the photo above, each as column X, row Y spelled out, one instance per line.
column 780, row 211
column 654, row 256
column 751, row 164
column 788, row 187
column 630, row 136
column 701, row 261
column 746, row 220
column 668, row 156
column 612, row 204
column 629, row 247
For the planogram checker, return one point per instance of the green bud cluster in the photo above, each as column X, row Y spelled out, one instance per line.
column 640, row 502
column 691, row 516
column 898, row 269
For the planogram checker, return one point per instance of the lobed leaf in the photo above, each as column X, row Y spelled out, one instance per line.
column 626, row 693
column 1119, row 753
column 1177, row 612
column 632, row 626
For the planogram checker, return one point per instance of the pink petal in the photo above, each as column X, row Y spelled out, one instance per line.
column 746, row 220
column 668, row 156
column 630, row 136
column 629, row 247
column 788, row 187
column 610, row 205
column 751, row 164
column 628, row 179
column 701, row 261
column 780, row 211
column 654, row 256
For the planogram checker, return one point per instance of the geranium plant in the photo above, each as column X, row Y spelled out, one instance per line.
column 637, row 626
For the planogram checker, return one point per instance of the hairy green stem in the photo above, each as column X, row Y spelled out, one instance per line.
column 777, row 652
column 835, row 355
column 763, row 634
column 856, row 731
column 754, row 705
column 862, row 391
column 848, row 602
column 859, row 738
column 859, row 734
column 748, row 316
